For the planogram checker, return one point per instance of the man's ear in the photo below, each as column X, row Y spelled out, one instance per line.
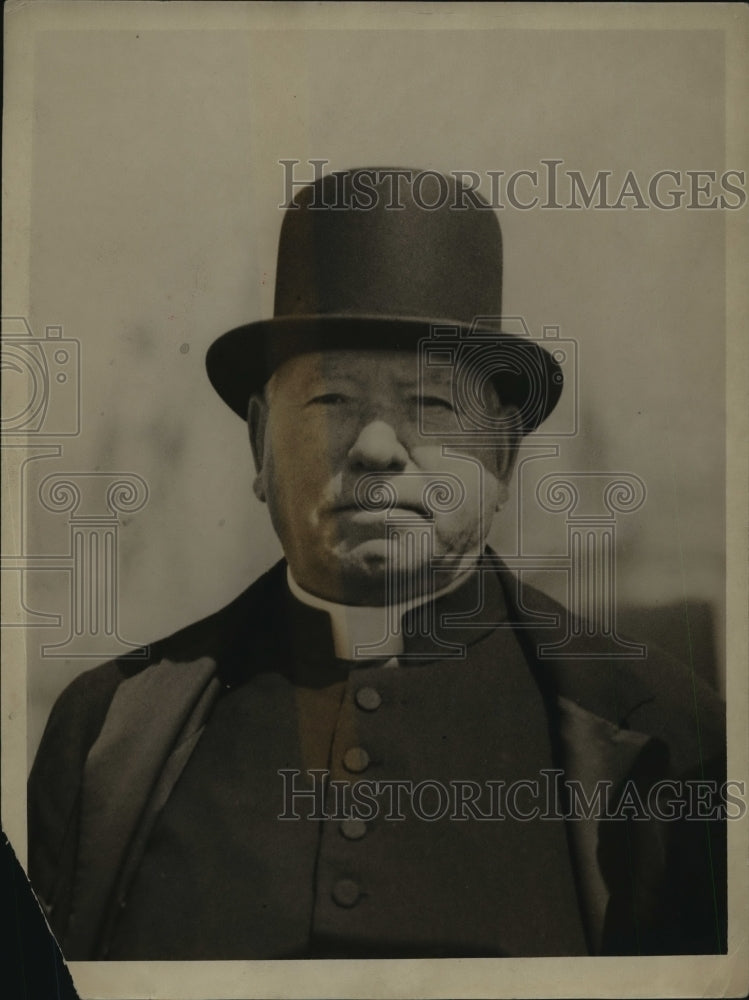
column 257, row 420
column 507, row 454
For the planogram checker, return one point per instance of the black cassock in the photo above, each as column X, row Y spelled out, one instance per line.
column 156, row 796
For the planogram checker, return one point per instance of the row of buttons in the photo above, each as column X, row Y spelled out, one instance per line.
column 356, row 759
column 346, row 892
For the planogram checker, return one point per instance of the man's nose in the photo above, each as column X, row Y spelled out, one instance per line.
column 378, row 447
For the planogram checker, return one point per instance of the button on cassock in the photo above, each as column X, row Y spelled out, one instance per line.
column 346, row 892
column 356, row 759
column 368, row 699
column 353, row 829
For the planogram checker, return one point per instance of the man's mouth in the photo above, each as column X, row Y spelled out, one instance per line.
column 374, row 508
column 373, row 496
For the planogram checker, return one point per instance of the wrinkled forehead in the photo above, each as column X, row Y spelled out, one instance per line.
column 380, row 374
column 366, row 366
column 368, row 369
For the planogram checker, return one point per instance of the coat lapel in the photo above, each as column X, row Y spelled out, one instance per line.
column 590, row 699
column 151, row 714
column 596, row 754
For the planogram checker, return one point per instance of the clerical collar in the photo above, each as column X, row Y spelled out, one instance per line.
column 361, row 633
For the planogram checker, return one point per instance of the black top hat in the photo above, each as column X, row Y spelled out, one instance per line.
column 367, row 262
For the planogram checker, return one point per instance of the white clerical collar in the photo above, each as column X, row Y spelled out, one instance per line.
column 361, row 633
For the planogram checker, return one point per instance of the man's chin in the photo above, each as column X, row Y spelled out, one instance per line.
column 375, row 571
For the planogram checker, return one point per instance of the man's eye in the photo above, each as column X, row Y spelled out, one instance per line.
column 328, row 399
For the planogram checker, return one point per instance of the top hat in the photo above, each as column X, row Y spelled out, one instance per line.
column 366, row 262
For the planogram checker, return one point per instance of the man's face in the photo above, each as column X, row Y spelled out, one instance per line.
column 361, row 492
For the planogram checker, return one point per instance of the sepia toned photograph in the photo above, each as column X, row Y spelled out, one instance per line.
column 374, row 544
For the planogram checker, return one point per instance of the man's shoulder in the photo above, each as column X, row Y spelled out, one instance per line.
column 646, row 690
column 220, row 635
column 216, row 634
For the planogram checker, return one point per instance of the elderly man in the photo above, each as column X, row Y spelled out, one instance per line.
column 346, row 761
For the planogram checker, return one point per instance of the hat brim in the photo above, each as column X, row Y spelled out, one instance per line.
column 240, row 362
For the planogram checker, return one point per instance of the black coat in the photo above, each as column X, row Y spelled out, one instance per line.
column 120, row 736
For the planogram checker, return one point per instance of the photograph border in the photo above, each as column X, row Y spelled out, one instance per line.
column 670, row 976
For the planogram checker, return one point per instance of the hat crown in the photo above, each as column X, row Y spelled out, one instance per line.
column 389, row 242
column 380, row 258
